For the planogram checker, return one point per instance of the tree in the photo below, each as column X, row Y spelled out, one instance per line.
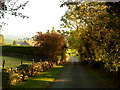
column 14, row 42
column 94, row 30
column 53, row 30
column 9, row 7
column 2, row 41
column 52, row 45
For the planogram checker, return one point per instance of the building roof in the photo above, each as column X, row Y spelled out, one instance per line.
column 28, row 43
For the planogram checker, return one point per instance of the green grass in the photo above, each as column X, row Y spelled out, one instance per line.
column 77, row 57
column 103, row 78
column 13, row 62
column 42, row 80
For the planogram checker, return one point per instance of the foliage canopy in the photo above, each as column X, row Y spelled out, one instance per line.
column 52, row 43
column 94, row 31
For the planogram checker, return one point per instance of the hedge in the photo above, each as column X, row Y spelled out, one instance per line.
column 22, row 51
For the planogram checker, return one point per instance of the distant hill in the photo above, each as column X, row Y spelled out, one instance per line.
column 19, row 38
column 16, row 37
column 10, row 41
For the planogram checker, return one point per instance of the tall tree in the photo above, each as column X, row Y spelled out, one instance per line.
column 94, row 30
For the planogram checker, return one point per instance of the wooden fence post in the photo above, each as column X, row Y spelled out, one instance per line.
column 32, row 61
column 3, row 64
column 21, row 62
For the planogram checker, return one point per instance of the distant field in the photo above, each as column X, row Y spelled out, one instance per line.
column 13, row 62
column 9, row 41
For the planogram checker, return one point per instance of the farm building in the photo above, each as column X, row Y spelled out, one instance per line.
column 28, row 43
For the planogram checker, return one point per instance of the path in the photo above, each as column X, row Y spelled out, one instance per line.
column 75, row 76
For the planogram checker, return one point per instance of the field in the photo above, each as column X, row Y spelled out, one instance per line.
column 9, row 41
column 13, row 62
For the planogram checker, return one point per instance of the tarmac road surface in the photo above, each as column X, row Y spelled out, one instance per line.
column 75, row 76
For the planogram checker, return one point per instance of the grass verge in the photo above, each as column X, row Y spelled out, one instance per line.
column 42, row 80
column 103, row 77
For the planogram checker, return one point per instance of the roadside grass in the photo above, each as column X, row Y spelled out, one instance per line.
column 14, row 62
column 102, row 76
column 42, row 80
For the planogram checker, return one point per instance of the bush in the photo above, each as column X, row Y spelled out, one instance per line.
column 85, row 62
column 52, row 45
column 97, row 64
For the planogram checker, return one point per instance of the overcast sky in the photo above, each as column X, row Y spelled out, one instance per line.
column 44, row 14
